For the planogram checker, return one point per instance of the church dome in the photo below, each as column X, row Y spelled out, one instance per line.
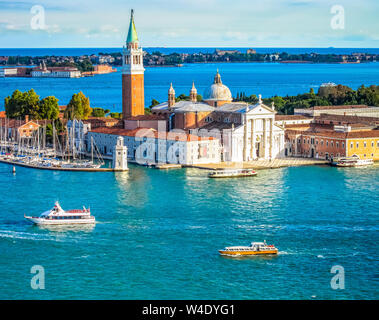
column 217, row 91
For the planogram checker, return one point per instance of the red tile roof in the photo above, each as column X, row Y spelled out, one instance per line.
column 105, row 119
column 280, row 117
column 363, row 134
column 298, row 125
column 15, row 123
column 3, row 114
column 339, row 135
column 146, row 117
column 346, row 119
column 150, row 133
column 355, row 106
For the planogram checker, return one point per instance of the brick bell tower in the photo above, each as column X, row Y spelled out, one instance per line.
column 133, row 100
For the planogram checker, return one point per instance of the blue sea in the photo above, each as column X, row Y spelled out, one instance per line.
column 168, row 50
column 267, row 79
column 158, row 233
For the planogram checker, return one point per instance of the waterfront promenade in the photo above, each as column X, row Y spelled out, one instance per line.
column 263, row 164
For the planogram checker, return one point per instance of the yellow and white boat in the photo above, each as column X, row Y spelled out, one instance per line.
column 256, row 248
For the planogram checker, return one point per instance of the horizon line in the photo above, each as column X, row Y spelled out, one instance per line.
column 250, row 47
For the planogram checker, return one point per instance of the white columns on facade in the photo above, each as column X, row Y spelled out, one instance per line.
column 245, row 139
column 271, row 136
column 264, row 140
column 252, row 140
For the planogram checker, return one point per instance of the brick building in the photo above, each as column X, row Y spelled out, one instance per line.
column 331, row 136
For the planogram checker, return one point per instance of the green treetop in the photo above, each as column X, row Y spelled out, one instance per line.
column 78, row 107
column 21, row 104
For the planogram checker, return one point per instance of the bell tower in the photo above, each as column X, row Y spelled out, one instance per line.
column 133, row 100
column 171, row 96
column 193, row 93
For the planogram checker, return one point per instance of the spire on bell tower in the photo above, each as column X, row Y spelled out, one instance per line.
column 132, row 33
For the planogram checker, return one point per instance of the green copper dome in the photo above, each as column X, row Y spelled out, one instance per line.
column 132, row 34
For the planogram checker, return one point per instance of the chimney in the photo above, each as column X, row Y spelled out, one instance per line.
column 26, row 118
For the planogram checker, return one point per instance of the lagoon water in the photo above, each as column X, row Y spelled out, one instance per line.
column 268, row 79
column 158, row 233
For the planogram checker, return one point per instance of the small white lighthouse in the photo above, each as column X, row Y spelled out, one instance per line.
column 120, row 155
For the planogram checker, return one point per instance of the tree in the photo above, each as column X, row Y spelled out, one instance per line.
column 78, row 107
column 48, row 108
column 21, row 104
column 98, row 112
column 59, row 128
column 116, row 115
column 153, row 103
column 335, row 94
column 182, row 97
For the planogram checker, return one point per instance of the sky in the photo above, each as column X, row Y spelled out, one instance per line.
column 190, row 23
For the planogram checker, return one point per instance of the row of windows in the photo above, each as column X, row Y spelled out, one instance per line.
column 364, row 144
column 64, row 217
column 316, row 141
column 337, row 143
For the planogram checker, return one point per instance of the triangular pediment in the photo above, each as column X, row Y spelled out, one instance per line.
column 260, row 109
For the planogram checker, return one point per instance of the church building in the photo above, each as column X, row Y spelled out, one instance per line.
column 247, row 132
column 209, row 131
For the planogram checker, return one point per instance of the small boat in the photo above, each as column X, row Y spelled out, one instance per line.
column 232, row 173
column 256, row 248
column 57, row 216
column 353, row 161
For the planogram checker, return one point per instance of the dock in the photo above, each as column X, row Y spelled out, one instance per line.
column 20, row 164
column 168, row 166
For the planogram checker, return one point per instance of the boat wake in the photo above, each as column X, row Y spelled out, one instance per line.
column 18, row 235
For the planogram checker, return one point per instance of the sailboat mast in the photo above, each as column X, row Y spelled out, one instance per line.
column 55, row 151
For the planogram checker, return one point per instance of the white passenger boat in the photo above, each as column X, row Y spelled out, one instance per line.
column 353, row 161
column 232, row 173
column 58, row 216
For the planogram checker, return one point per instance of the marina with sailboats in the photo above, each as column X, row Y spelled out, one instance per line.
column 36, row 149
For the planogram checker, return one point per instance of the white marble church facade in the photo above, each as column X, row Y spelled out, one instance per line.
column 248, row 132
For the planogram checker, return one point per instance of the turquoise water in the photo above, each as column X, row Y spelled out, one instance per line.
column 268, row 79
column 158, row 233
